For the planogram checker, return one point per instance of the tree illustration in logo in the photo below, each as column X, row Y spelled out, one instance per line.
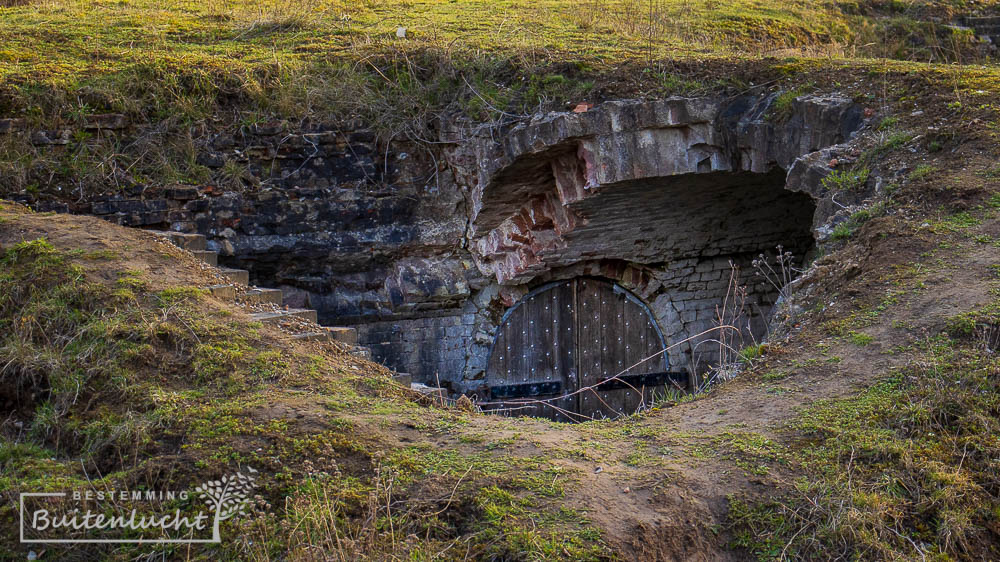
column 228, row 496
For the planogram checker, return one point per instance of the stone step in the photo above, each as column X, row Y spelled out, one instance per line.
column 432, row 391
column 279, row 315
column 207, row 256
column 404, row 379
column 361, row 352
column 312, row 336
column 259, row 294
column 184, row 240
column 346, row 336
column 343, row 334
column 236, row 276
column 226, row 292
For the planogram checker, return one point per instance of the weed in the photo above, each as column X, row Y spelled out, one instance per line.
column 922, row 171
column 842, row 231
column 887, row 143
column 774, row 376
column 781, row 109
column 888, row 123
column 958, row 222
column 751, row 352
column 859, row 338
column 846, row 180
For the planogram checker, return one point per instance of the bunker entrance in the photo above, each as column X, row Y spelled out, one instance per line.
column 579, row 349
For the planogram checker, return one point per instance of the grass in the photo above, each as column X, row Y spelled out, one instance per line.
column 172, row 65
column 49, row 44
column 860, row 339
column 846, row 180
column 192, row 53
column 752, row 452
column 117, row 382
column 844, row 230
column 902, row 470
column 922, row 171
column 782, row 107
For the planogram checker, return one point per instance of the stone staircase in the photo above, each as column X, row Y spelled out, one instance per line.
column 266, row 304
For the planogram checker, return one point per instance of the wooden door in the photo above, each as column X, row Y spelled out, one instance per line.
column 533, row 356
column 568, row 351
column 617, row 333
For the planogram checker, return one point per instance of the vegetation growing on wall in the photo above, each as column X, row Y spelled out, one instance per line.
column 179, row 70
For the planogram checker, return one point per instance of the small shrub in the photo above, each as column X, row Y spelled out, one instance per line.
column 846, row 180
column 751, row 352
column 842, row 231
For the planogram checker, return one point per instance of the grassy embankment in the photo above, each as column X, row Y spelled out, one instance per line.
column 176, row 68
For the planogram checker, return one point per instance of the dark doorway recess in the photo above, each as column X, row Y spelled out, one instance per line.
column 572, row 335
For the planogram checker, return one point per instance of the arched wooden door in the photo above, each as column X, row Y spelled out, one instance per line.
column 573, row 335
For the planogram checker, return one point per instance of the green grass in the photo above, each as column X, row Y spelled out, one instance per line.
column 751, row 452
column 170, row 65
column 115, row 381
column 52, row 43
column 903, row 470
column 860, row 339
column 173, row 59
column 845, row 229
column 922, row 171
column 846, row 180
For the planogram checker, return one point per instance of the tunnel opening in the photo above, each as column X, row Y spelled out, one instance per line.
column 555, row 350
column 656, row 196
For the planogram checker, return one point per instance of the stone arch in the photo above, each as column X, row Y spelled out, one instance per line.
column 679, row 189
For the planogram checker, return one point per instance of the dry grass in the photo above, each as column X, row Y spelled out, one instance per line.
column 171, row 65
column 113, row 380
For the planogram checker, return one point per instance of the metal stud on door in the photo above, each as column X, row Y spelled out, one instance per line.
column 578, row 335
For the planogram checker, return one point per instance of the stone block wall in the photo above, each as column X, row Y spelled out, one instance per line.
column 434, row 348
column 423, row 247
